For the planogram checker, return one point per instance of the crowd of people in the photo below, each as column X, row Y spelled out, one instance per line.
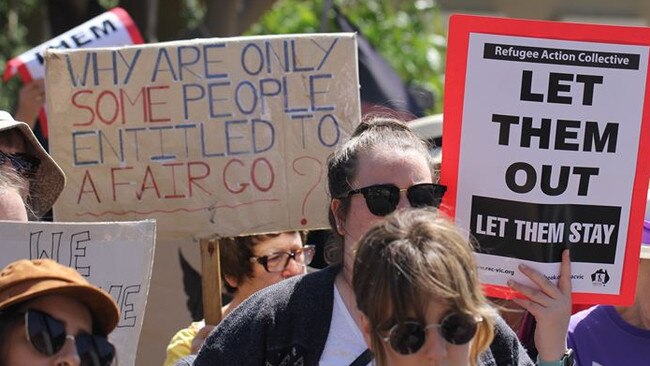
column 401, row 287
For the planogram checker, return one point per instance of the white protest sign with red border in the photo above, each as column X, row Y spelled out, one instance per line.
column 543, row 148
column 112, row 28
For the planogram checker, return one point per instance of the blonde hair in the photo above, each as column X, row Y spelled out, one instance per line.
column 410, row 258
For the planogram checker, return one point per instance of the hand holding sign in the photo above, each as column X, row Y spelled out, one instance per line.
column 551, row 307
column 30, row 101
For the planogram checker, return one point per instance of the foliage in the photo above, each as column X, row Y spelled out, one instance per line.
column 13, row 33
column 408, row 34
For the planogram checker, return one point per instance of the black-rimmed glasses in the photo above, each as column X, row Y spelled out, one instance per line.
column 25, row 164
column 409, row 336
column 48, row 336
column 277, row 262
column 382, row 199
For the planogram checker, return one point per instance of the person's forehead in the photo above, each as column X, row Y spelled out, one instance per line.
column 381, row 166
column 282, row 242
column 65, row 309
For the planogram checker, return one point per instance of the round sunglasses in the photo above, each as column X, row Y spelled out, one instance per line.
column 383, row 199
column 48, row 336
column 455, row 328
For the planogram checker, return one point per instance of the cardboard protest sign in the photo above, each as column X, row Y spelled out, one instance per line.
column 117, row 257
column 113, row 28
column 546, row 145
column 211, row 136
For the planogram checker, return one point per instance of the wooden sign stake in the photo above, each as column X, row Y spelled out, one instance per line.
column 211, row 281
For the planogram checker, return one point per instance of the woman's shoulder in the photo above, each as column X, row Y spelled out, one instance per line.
column 289, row 317
column 309, row 290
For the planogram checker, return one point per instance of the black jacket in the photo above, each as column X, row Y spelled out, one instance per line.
column 288, row 324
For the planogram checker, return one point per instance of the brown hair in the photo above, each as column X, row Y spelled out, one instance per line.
column 9, row 319
column 374, row 133
column 235, row 254
column 409, row 258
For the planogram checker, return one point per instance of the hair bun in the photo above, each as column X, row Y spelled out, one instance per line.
column 378, row 122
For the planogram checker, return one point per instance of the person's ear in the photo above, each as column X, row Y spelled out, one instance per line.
column 339, row 215
column 231, row 281
column 366, row 329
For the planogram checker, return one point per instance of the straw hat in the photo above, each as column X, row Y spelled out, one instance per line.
column 26, row 279
column 48, row 182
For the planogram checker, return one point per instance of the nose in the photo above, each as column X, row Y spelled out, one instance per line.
column 293, row 269
column 435, row 347
column 403, row 201
column 68, row 355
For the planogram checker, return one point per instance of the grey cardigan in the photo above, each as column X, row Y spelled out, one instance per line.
column 288, row 324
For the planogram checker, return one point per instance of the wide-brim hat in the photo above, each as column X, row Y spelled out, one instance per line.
column 49, row 180
column 25, row 279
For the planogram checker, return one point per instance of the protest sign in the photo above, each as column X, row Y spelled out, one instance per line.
column 118, row 257
column 113, row 28
column 546, row 146
column 212, row 136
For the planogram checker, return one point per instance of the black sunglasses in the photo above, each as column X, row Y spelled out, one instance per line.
column 277, row 262
column 455, row 328
column 383, row 199
column 25, row 164
column 48, row 336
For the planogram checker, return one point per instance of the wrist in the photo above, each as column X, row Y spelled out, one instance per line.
column 565, row 360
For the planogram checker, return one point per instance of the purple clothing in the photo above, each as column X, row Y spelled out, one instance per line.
column 646, row 232
column 600, row 337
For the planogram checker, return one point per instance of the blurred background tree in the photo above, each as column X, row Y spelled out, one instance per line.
column 14, row 40
column 408, row 34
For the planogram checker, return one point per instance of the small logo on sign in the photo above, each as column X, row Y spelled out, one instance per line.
column 600, row 277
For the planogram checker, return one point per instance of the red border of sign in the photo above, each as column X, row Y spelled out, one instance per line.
column 460, row 27
column 133, row 30
column 121, row 14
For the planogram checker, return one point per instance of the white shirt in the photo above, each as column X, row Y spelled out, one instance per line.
column 345, row 341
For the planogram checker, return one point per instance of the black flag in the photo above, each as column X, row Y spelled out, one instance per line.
column 382, row 90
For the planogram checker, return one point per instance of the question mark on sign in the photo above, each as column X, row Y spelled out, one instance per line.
column 303, row 221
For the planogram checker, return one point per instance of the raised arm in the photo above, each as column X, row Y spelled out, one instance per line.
column 551, row 307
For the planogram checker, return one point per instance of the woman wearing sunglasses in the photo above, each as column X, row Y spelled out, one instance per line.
column 383, row 167
column 50, row 315
column 248, row 264
column 415, row 282
column 21, row 153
